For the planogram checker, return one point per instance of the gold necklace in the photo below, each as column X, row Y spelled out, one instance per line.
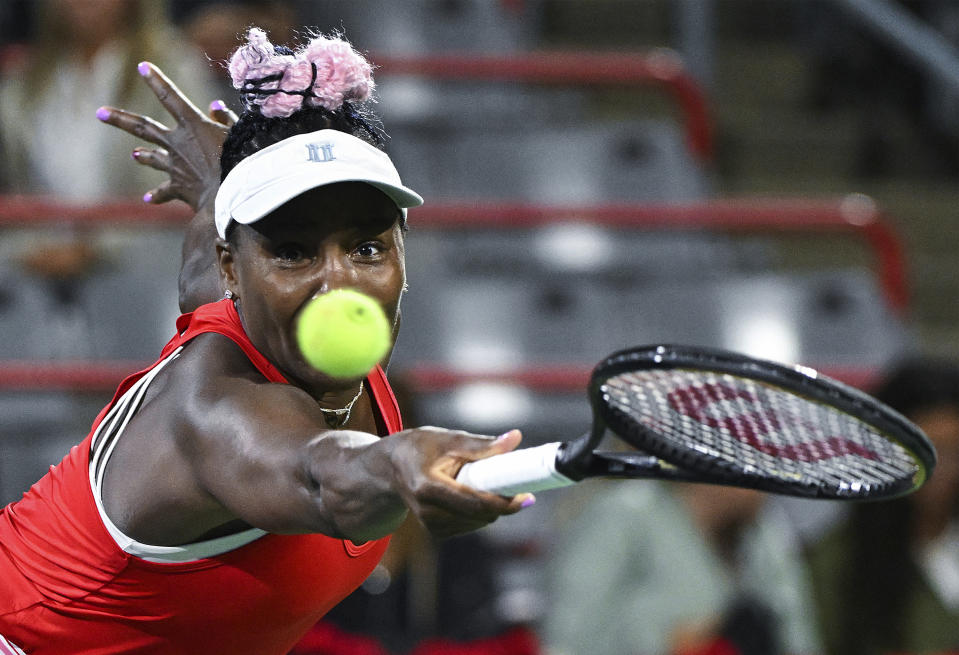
column 337, row 418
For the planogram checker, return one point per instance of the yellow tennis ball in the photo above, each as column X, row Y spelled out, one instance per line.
column 343, row 333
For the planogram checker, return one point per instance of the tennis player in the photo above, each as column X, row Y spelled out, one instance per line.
column 229, row 495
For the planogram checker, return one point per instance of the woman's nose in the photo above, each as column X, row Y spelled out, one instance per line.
column 336, row 272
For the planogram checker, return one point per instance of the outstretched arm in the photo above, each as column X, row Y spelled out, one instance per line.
column 189, row 152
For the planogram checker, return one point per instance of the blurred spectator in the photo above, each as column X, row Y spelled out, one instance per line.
column 84, row 55
column 678, row 569
column 887, row 578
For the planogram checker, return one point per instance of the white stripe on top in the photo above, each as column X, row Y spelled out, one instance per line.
column 9, row 648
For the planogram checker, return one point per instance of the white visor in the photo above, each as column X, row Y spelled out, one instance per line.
column 275, row 175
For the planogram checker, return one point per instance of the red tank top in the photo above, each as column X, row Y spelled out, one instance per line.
column 66, row 587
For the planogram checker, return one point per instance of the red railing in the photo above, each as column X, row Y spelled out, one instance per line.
column 660, row 68
column 431, row 378
column 103, row 376
column 91, row 376
column 855, row 216
column 30, row 211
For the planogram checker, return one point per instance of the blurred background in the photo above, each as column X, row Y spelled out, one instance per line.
column 776, row 177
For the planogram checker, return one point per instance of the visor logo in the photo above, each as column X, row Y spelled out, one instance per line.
column 319, row 152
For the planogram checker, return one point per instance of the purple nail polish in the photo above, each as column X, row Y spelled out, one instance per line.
column 503, row 436
column 103, row 113
column 147, row 197
column 135, row 154
column 217, row 105
column 144, row 68
column 528, row 502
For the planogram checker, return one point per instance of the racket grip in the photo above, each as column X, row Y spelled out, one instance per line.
column 529, row 469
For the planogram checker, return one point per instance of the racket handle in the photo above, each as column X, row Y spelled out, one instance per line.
column 529, row 469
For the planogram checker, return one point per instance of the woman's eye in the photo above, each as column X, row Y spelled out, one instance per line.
column 290, row 253
column 368, row 249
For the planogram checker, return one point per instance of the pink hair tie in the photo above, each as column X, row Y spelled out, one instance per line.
column 325, row 73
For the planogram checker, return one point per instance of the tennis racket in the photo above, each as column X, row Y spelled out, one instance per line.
column 710, row 416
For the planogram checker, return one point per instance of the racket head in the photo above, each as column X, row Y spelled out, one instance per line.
column 731, row 419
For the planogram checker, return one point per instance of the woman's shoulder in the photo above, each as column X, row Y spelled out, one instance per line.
column 207, row 395
column 187, row 385
column 213, row 361
column 214, row 377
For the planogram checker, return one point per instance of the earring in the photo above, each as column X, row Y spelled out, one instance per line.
column 228, row 295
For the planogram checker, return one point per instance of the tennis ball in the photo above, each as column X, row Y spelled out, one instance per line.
column 343, row 333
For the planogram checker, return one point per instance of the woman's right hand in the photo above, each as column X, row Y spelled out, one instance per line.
column 366, row 486
column 425, row 464
column 189, row 152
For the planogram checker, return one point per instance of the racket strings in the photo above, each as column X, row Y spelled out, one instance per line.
column 744, row 426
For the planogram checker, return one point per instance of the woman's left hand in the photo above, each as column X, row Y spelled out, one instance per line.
column 189, row 152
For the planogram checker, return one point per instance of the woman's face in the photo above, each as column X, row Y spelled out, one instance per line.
column 338, row 236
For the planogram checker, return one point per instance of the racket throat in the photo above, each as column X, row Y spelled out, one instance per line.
column 575, row 458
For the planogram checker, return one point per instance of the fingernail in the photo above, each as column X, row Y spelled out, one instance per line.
column 103, row 113
column 503, row 437
column 217, row 105
column 144, row 68
column 135, row 154
column 147, row 197
column 529, row 502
